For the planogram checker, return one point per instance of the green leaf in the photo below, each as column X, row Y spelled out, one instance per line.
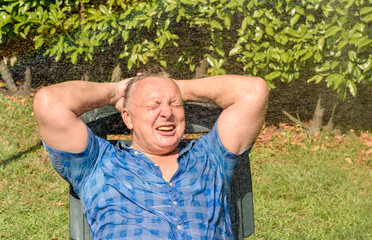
column 272, row 75
column 294, row 33
column 300, row 10
column 352, row 55
column 192, row 67
column 352, row 87
column 27, row 29
column 74, row 57
column 235, row 50
column 227, row 21
column 300, row 53
column 308, row 55
column 258, row 13
column 124, row 54
column 215, row 24
column 129, row 64
column 350, row 67
column 166, row 25
column 361, row 42
column 342, row 44
column 325, row 67
column 170, row 7
column 334, row 64
column 332, row 31
column 294, row 19
column 163, row 63
column 356, row 72
column 366, row 66
column 39, row 40
column 125, row 35
column 310, row 17
column 188, row 2
column 365, row 10
column 367, row 18
column 220, row 52
column 284, row 57
column 103, row 9
column 269, row 31
column 213, row 62
column 334, row 79
column 259, row 56
column 316, row 78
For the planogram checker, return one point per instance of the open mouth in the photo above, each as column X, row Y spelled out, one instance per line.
column 166, row 128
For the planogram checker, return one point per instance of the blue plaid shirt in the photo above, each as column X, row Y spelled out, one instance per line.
column 124, row 196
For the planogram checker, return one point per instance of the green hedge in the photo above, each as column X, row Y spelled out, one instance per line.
column 280, row 39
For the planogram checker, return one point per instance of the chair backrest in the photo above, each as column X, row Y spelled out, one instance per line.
column 200, row 118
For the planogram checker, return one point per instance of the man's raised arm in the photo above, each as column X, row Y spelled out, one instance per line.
column 58, row 106
column 244, row 100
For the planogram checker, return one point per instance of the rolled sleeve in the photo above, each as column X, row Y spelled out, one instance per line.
column 226, row 159
column 74, row 167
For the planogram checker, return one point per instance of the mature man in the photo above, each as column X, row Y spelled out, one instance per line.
column 157, row 188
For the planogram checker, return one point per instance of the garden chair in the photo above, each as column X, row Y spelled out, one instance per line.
column 199, row 119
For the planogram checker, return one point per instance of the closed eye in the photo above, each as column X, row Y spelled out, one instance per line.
column 153, row 104
column 176, row 103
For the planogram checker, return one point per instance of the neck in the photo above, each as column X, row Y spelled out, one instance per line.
column 174, row 152
column 155, row 154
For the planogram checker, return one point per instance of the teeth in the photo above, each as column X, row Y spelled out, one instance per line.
column 170, row 128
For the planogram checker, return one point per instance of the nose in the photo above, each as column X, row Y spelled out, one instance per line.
column 166, row 111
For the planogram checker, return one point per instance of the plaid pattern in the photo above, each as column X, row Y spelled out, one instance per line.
column 125, row 197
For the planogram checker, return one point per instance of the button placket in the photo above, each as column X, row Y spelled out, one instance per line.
column 177, row 209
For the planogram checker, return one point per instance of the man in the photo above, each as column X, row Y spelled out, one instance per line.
column 157, row 188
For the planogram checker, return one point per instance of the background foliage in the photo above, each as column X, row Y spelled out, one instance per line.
column 323, row 40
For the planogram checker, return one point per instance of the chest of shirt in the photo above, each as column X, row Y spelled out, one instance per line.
column 123, row 177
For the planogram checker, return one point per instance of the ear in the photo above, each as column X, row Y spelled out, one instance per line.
column 125, row 115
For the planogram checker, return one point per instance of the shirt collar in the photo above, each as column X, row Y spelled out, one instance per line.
column 184, row 146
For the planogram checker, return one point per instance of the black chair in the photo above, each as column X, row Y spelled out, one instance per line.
column 200, row 118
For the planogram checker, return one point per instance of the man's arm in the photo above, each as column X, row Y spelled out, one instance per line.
column 57, row 108
column 244, row 100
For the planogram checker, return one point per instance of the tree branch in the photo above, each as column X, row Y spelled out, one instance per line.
column 295, row 120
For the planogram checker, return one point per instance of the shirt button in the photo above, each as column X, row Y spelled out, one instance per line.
column 178, row 227
column 135, row 153
column 170, row 184
column 175, row 202
column 156, row 165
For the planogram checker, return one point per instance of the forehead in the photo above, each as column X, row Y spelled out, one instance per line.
column 154, row 87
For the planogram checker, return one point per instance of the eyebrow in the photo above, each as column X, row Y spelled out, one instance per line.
column 157, row 101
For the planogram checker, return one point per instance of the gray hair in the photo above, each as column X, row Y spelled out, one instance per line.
column 152, row 72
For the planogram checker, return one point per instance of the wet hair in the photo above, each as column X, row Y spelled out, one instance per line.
column 151, row 72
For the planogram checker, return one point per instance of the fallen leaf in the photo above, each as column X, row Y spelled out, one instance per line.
column 369, row 151
column 348, row 160
column 368, row 143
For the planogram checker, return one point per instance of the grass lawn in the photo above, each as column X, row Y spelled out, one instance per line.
column 305, row 187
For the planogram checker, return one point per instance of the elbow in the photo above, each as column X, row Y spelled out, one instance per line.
column 41, row 100
column 257, row 88
column 262, row 87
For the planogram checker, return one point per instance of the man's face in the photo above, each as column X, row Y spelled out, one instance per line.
column 155, row 115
